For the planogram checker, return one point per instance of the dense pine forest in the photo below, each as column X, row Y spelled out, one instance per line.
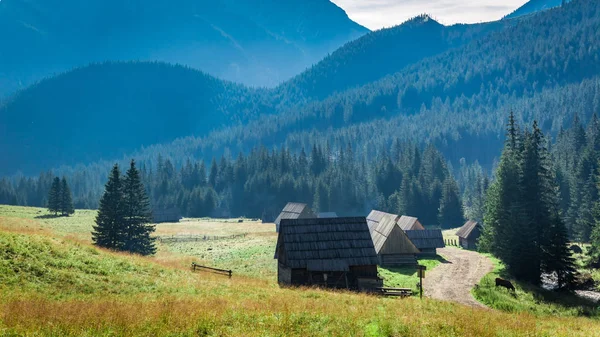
column 402, row 179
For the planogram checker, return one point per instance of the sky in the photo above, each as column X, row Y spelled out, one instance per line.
column 376, row 14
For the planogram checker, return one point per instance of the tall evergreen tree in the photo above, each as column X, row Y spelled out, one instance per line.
column 108, row 232
column 137, row 216
column 54, row 196
column 66, row 199
column 450, row 211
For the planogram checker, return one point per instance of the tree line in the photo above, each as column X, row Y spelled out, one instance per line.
column 403, row 179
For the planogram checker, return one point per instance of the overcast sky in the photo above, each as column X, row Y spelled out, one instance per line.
column 375, row 14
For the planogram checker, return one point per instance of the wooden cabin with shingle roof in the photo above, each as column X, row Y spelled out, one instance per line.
column 427, row 241
column 392, row 245
column 409, row 223
column 328, row 252
column 294, row 210
column 468, row 234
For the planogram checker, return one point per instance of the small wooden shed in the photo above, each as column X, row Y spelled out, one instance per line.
column 329, row 252
column 294, row 210
column 409, row 223
column 427, row 241
column 392, row 245
column 468, row 234
column 166, row 215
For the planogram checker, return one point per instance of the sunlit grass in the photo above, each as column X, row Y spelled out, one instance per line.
column 406, row 276
column 530, row 299
column 54, row 284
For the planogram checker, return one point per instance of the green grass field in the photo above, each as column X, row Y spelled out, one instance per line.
column 406, row 277
column 53, row 282
column 530, row 299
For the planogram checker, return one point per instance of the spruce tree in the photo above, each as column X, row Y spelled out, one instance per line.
column 108, row 232
column 54, row 196
column 66, row 199
column 450, row 212
column 137, row 215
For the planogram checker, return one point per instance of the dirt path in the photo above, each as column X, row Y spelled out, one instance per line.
column 454, row 279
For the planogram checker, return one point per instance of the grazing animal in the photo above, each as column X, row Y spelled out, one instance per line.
column 576, row 249
column 504, row 283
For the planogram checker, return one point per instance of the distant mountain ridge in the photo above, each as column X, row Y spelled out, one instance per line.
column 248, row 41
column 381, row 53
column 542, row 66
column 177, row 102
column 535, row 6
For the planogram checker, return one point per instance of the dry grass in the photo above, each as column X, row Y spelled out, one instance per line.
column 124, row 295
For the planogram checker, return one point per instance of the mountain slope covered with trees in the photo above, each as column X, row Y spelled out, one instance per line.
column 545, row 67
column 382, row 53
column 534, row 6
column 254, row 42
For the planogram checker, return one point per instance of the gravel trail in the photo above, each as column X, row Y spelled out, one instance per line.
column 454, row 279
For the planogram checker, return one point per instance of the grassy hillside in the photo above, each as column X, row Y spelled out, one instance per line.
column 54, row 285
column 528, row 298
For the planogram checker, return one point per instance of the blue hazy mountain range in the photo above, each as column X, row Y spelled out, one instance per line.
column 110, row 109
column 256, row 42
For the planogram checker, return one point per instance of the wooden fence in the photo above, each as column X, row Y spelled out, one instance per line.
column 218, row 271
column 449, row 242
column 196, row 238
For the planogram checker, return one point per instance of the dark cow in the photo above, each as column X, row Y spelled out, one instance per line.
column 504, row 283
column 576, row 249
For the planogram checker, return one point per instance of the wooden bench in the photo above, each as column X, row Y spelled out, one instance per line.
column 395, row 292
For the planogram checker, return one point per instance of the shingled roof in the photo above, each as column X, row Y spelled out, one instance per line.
column 294, row 210
column 388, row 229
column 428, row 238
column 375, row 217
column 408, row 223
column 467, row 229
column 328, row 244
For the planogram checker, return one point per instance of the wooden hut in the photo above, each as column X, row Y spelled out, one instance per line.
column 327, row 215
column 427, row 241
column 294, row 210
column 409, row 223
column 392, row 246
column 330, row 252
column 468, row 234
column 166, row 215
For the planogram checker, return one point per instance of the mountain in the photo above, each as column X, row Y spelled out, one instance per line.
column 534, row 6
column 106, row 110
column 251, row 41
column 47, row 117
column 543, row 67
column 381, row 53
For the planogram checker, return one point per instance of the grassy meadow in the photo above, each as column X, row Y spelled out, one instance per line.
column 530, row 299
column 53, row 282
